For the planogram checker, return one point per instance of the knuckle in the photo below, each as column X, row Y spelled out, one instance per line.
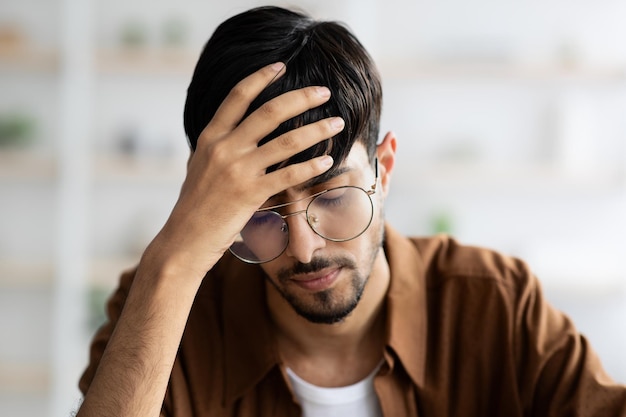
column 288, row 141
column 327, row 128
column 290, row 175
column 310, row 93
column 208, row 133
column 239, row 92
column 218, row 153
column 270, row 108
column 233, row 177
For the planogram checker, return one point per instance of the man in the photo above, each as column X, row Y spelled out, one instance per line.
column 275, row 288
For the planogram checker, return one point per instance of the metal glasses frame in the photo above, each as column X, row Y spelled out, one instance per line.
column 312, row 197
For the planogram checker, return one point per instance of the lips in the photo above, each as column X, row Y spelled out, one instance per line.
column 317, row 281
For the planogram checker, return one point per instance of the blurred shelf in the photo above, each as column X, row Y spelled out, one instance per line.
column 499, row 71
column 23, row 274
column 18, row 165
column 146, row 61
column 588, row 286
column 105, row 272
column 580, row 281
column 527, row 177
column 586, row 266
column 145, row 169
column 26, row 165
column 25, row 58
column 24, row 378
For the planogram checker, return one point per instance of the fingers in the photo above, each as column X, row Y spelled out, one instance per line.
column 297, row 140
column 236, row 103
column 295, row 174
column 247, row 133
column 271, row 114
column 229, row 142
column 291, row 143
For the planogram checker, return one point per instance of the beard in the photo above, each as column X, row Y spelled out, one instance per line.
column 332, row 305
column 326, row 306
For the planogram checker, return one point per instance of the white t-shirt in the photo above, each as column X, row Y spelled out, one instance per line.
column 353, row 400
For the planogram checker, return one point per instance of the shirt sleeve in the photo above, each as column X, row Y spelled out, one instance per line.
column 560, row 373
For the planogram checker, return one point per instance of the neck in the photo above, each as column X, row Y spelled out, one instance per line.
column 335, row 354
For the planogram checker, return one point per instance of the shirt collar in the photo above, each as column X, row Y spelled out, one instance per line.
column 249, row 344
column 406, row 304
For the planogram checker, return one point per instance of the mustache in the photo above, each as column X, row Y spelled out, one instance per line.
column 316, row 264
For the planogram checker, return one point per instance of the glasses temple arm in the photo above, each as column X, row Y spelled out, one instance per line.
column 373, row 189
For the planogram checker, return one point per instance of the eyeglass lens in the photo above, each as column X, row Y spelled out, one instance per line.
column 339, row 214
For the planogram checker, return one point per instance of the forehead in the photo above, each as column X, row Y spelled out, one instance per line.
column 355, row 165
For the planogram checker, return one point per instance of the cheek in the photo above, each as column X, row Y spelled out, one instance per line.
column 271, row 268
column 379, row 207
column 359, row 248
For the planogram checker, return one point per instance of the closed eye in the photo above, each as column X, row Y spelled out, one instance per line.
column 333, row 198
column 261, row 218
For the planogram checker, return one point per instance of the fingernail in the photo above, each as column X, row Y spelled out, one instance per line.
column 278, row 66
column 326, row 160
column 337, row 123
column 323, row 91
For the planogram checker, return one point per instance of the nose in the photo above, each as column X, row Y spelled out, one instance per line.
column 303, row 242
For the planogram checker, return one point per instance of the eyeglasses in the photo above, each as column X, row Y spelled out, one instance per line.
column 337, row 214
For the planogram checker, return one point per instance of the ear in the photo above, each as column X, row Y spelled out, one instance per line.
column 386, row 153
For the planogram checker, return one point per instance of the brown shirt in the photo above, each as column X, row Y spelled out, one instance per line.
column 468, row 334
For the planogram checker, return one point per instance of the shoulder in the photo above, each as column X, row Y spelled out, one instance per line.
column 447, row 262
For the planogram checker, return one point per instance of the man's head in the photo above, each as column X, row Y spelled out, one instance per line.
column 322, row 280
column 316, row 53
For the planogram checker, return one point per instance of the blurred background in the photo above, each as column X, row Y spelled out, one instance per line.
column 512, row 126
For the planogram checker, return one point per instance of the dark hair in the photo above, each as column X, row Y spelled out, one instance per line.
column 316, row 53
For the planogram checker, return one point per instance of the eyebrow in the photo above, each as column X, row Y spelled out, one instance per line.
column 320, row 179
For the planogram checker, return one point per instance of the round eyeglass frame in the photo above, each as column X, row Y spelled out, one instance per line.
column 312, row 197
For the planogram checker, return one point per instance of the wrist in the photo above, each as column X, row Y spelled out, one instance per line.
column 175, row 265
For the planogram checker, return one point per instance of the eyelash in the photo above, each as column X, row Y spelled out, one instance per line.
column 259, row 220
column 329, row 200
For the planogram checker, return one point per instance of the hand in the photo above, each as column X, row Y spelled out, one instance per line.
column 226, row 177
